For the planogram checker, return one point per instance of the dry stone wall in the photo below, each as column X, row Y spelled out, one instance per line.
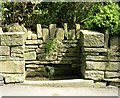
column 59, row 53
column 52, row 52
column 12, row 64
column 100, row 63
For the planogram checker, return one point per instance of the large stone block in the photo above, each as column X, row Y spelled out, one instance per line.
column 45, row 35
column 60, row 34
column 52, row 28
column 78, row 31
column 12, row 78
column 33, row 42
column 39, row 31
column 38, row 50
column 113, row 66
column 12, row 66
column 112, row 74
column 92, row 39
column 95, row 65
column 66, row 30
column 92, row 74
column 30, row 56
column 4, row 50
column 12, row 38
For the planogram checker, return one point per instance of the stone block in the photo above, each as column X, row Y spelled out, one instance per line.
column 4, row 50
column 33, row 36
column 60, row 34
column 71, row 34
column 8, row 58
column 41, row 56
column 1, row 77
column 66, row 30
column 31, row 47
column 96, row 75
column 52, row 28
column 12, row 66
column 112, row 74
column 30, row 56
column 96, row 58
column 17, row 55
column 99, row 85
column 113, row 66
column 29, row 34
column 71, row 41
column 12, row 78
column 92, row 39
column 33, row 42
column 39, row 31
column 78, row 31
column 94, row 50
column 33, row 65
column 95, row 65
column 17, row 49
column 114, row 43
column 45, row 35
column 91, row 54
column 1, row 31
column 37, row 62
column 12, row 39
column 38, row 50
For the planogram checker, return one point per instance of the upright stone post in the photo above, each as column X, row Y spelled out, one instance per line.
column 39, row 31
column 52, row 28
column 77, row 31
column 66, row 30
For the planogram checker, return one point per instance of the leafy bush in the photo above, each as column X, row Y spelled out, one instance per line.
column 104, row 17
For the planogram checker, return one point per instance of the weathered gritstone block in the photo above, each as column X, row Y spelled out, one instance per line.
column 33, row 65
column 36, row 62
column 60, row 34
column 92, row 39
column 17, row 55
column 12, row 66
column 52, row 28
column 113, row 66
column 39, row 31
column 17, row 49
column 71, row 34
column 12, row 39
column 112, row 74
column 95, row 50
column 34, row 36
column 4, row 50
column 71, row 41
column 78, row 31
column 66, row 30
column 41, row 56
column 30, row 56
column 31, row 47
column 97, row 58
column 96, row 65
column 12, row 78
column 45, row 35
column 92, row 74
column 33, row 42
column 38, row 50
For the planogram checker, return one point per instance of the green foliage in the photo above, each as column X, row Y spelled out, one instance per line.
column 104, row 17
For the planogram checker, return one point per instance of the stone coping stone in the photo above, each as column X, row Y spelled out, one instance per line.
column 61, row 83
column 92, row 38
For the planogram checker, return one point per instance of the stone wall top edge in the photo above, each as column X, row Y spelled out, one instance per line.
column 10, row 33
column 90, row 32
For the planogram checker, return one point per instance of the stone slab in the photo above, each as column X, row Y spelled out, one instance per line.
column 94, row 50
column 95, row 65
column 12, row 39
column 30, row 56
column 66, row 30
column 97, row 58
column 96, row 75
column 4, row 50
column 34, row 36
column 45, row 35
column 17, row 49
column 14, row 78
column 92, row 38
column 113, row 66
column 60, row 34
column 52, row 28
column 12, row 66
column 112, row 74
column 71, row 34
column 78, row 31
column 39, row 31
column 33, row 42
column 38, row 50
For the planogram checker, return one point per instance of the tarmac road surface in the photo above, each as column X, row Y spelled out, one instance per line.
column 29, row 90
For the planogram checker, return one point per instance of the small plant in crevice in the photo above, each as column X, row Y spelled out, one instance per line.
column 53, row 47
